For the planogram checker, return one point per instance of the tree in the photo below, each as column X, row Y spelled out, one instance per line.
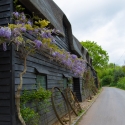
column 99, row 56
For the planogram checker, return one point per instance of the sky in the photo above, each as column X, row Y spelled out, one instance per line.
column 101, row 21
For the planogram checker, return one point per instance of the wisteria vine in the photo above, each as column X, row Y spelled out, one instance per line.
column 14, row 33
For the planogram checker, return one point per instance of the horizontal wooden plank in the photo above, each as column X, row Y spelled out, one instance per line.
column 5, row 123
column 21, row 67
column 5, row 67
column 5, row 82
column 4, row 89
column 4, row 54
column 4, row 2
column 27, row 87
column 4, row 60
column 5, row 74
column 5, row 14
column 4, row 96
column 54, row 78
column 5, row 118
column 25, row 81
column 55, row 74
column 4, row 8
column 4, row 110
column 4, row 103
column 4, row 21
column 27, row 75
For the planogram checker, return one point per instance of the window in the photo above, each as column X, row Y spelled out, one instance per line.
column 65, row 83
column 41, row 81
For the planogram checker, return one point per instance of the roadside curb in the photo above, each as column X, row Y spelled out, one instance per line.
column 79, row 117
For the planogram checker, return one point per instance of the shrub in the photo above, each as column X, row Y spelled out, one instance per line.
column 117, row 75
column 121, row 83
column 106, row 80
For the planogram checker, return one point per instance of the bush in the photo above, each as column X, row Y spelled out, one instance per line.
column 107, row 80
column 117, row 75
column 121, row 83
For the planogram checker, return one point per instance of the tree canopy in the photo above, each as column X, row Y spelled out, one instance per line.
column 99, row 56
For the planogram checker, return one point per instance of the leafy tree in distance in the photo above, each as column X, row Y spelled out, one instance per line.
column 99, row 56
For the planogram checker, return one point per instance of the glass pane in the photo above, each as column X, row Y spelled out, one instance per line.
column 65, row 82
column 41, row 81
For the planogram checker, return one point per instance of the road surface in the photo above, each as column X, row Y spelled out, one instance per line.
column 108, row 109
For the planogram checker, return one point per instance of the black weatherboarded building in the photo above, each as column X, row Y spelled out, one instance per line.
column 38, row 66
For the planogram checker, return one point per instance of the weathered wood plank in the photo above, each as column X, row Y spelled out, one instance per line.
column 4, row 8
column 4, row 2
column 27, row 75
column 5, row 123
column 5, row 68
column 4, row 60
column 4, row 21
column 21, row 67
column 4, row 110
column 4, row 95
column 4, row 118
column 5, row 82
column 4, row 89
column 4, row 103
column 5, row 14
column 5, row 74
column 25, row 81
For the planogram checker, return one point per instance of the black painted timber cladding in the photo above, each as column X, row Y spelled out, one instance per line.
column 7, row 112
column 54, row 78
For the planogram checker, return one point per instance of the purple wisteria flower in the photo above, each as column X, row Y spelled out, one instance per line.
column 16, row 14
column 29, row 22
column 73, row 56
column 46, row 35
column 4, row 46
column 38, row 43
column 5, row 32
column 22, row 16
column 23, row 29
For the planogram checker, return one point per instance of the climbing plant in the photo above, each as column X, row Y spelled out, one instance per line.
column 88, row 84
column 39, row 99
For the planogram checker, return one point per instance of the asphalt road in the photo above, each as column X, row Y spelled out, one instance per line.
column 108, row 109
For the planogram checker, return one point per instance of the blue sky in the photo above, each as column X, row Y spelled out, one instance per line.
column 102, row 21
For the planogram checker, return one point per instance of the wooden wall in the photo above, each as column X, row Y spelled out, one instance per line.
column 7, row 113
column 53, row 70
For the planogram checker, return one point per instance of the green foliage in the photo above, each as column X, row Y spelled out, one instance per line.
column 123, row 68
column 89, row 85
column 35, row 95
column 30, row 116
column 118, row 74
column 70, row 80
column 107, row 80
column 121, row 83
column 39, row 99
column 99, row 56
column 18, row 7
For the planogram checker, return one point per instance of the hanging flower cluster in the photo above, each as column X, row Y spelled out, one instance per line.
column 43, row 38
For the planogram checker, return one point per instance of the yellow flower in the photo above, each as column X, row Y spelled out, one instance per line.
column 28, row 27
column 42, row 23
column 46, row 40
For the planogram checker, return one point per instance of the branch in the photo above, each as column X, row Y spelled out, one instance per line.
column 19, row 88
